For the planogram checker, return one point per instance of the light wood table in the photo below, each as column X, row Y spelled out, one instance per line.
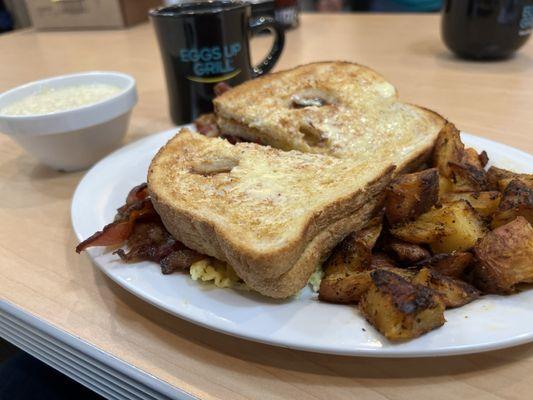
column 44, row 284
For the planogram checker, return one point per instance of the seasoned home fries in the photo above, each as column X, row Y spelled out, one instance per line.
column 450, row 234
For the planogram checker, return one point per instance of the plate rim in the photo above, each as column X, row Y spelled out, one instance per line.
column 378, row 352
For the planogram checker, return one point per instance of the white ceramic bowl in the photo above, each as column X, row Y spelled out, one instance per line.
column 73, row 139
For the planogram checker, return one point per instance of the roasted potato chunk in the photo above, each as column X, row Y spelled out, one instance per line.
column 464, row 224
column 354, row 252
column 445, row 186
column 350, row 255
column 448, row 148
column 411, row 195
column 464, row 167
column 485, row 203
column 381, row 260
column 472, row 158
column 369, row 235
column 399, row 309
column 422, row 231
column 467, row 178
column 450, row 264
column 345, row 278
column 517, row 200
column 517, row 193
column 504, row 257
column 453, row 292
column 498, row 178
column 527, row 180
column 483, row 158
column 455, row 226
column 495, row 174
column 501, row 218
column 348, row 287
column 344, row 287
column 407, row 253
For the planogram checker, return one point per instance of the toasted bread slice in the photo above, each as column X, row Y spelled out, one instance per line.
column 272, row 215
column 337, row 108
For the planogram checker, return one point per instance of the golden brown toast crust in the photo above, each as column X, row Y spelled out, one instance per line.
column 317, row 251
column 207, row 232
column 360, row 114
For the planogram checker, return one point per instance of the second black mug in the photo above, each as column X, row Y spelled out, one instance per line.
column 205, row 43
column 486, row 29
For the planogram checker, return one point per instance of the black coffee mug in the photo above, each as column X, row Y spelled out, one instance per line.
column 206, row 43
column 486, row 29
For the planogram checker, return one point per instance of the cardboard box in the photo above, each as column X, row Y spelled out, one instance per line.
column 83, row 14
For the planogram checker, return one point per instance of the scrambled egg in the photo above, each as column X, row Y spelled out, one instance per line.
column 216, row 272
column 316, row 278
column 222, row 275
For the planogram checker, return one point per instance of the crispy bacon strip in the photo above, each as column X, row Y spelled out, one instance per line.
column 119, row 231
column 221, row 88
column 149, row 241
column 138, row 224
column 206, row 124
column 113, row 234
column 139, row 192
column 237, row 139
column 133, row 200
column 179, row 260
column 174, row 260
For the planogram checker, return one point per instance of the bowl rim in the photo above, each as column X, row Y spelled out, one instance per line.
column 75, row 118
column 130, row 84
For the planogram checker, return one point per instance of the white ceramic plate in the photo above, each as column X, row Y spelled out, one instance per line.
column 301, row 323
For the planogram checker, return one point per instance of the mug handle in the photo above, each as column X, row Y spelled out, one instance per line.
column 259, row 24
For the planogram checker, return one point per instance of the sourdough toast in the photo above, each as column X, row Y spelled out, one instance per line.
column 341, row 109
column 272, row 215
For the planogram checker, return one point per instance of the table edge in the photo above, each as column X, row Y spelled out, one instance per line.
column 124, row 372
